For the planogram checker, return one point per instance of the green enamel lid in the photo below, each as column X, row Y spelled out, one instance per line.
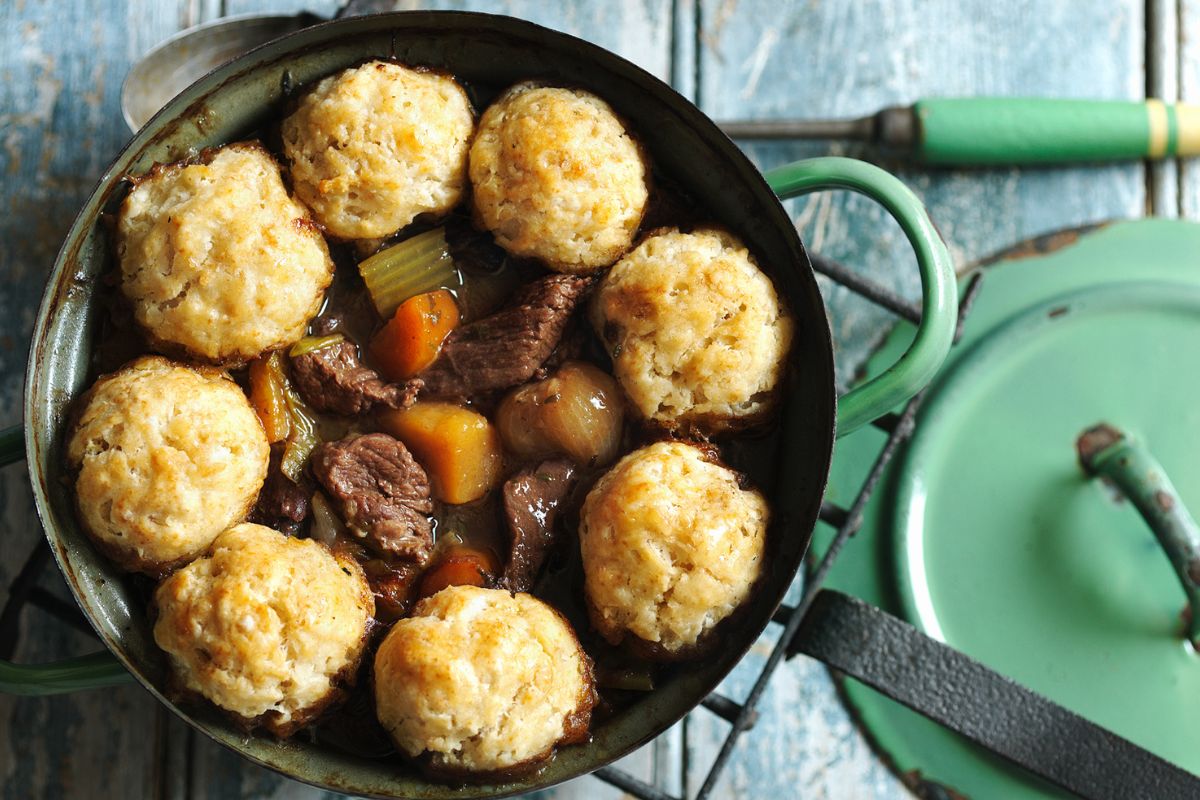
column 988, row 535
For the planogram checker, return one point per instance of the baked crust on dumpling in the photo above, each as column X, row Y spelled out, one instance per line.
column 557, row 177
column 165, row 457
column 482, row 684
column 372, row 147
column 268, row 627
column 698, row 336
column 672, row 545
column 218, row 262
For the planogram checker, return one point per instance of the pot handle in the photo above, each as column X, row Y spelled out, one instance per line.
column 939, row 289
column 69, row 675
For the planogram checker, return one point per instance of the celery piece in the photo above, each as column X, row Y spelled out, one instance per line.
column 627, row 679
column 414, row 266
column 310, row 343
column 303, row 438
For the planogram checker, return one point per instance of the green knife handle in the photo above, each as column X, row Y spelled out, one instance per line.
column 994, row 130
column 69, row 675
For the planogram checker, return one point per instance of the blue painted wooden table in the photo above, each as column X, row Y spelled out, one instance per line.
column 62, row 65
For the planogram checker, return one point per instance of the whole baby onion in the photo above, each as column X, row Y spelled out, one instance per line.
column 577, row 412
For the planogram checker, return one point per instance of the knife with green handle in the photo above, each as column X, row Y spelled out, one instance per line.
column 989, row 131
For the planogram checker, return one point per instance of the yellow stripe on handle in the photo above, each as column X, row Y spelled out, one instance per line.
column 1160, row 128
column 1188, row 119
column 1174, row 129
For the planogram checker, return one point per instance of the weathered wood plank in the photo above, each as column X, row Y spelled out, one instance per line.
column 1162, row 81
column 684, row 60
column 852, row 58
column 62, row 66
column 639, row 30
column 326, row 8
column 1189, row 90
column 846, row 59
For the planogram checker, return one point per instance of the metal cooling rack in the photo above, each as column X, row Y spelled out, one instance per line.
column 24, row 590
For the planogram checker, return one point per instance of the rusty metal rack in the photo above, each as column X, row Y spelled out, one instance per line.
column 25, row 591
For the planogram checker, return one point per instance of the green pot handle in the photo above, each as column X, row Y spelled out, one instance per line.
column 939, row 289
column 70, row 675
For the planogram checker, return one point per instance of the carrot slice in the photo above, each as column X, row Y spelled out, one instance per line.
column 459, row 448
column 268, row 395
column 461, row 566
column 412, row 338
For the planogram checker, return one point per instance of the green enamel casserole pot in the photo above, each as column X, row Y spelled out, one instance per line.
column 488, row 53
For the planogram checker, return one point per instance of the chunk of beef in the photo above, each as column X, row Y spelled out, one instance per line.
column 331, row 379
column 570, row 348
column 506, row 348
column 472, row 249
column 532, row 500
column 381, row 492
column 282, row 503
column 326, row 324
column 392, row 584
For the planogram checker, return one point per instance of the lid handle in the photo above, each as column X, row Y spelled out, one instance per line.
column 1107, row 452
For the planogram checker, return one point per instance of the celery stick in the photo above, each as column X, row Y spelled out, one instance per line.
column 310, row 343
column 414, row 266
